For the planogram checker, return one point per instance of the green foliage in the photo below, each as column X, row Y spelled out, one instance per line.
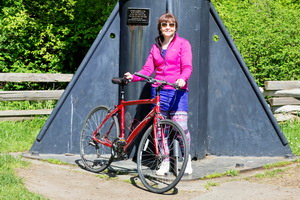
column 89, row 18
column 11, row 186
column 45, row 36
column 266, row 33
column 34, row 35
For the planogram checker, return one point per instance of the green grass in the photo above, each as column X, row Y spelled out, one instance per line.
column 55, row 161
column 11, row 186
column 18, row 136
column 278, row 164
column 209, row 184
column 292, row 132
column 270, row 173
column 106, row 177
column 297, row 160
column 213, row 175
column 231, row 172
column 27, row 105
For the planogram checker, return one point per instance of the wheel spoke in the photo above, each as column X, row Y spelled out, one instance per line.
column 96, row 157
column 149, row 163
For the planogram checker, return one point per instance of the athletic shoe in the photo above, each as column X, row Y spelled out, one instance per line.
column 164, row 168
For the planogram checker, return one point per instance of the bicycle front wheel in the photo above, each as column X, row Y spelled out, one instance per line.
column 95, row 156
column 161, row 163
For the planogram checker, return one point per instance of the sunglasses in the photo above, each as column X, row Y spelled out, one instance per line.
column 165, row 24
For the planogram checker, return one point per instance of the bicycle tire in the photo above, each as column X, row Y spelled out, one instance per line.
column 95, row 156
column 148, row 162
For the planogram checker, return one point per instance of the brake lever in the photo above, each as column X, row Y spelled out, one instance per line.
column 151, row 80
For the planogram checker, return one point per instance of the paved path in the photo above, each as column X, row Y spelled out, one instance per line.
column 63, row 182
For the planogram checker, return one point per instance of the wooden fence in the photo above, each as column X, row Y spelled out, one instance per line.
column 34, row 95
column 284, row 101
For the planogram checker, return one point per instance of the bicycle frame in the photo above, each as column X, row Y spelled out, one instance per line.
column 120, row 110
column 162, row 153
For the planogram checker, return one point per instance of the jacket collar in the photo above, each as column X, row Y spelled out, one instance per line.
column 158, row 40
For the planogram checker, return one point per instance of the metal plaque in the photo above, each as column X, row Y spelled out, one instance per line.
column 138, row 16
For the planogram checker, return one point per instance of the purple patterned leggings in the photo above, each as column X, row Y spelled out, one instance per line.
column 181, row 117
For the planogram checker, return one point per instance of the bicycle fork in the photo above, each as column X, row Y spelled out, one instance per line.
column 160, row 139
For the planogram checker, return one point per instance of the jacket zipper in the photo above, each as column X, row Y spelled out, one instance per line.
column 171, row 44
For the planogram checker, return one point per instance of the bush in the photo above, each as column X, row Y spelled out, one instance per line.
column 45, row 36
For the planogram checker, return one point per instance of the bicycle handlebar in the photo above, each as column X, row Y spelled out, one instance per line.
column 153, row 80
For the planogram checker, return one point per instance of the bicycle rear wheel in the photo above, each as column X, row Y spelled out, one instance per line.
column 175, row 153
column 96, row 157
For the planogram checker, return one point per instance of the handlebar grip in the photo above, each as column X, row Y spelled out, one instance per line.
column 141, row 75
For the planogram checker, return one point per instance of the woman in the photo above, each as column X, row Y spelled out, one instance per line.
column 171, row 60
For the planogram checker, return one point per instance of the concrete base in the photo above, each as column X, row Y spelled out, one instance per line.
column 201, row 168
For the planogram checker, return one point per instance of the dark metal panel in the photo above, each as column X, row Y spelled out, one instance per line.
column 238, row 124
column 194, row 19
column 248, row 76
column 136, row 42
column 135, row 45
column 90, row 87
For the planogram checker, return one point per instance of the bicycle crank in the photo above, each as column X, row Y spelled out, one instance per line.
column 118, row 149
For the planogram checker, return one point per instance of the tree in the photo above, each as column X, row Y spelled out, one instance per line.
column 266, row 33
column 49, row 36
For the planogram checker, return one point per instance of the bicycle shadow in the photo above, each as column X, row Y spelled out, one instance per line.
column 111, row 171
column 135, row 181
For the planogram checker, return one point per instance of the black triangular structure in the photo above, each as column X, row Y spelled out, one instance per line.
column 246, row 125
column 228, row 114
column 89, row 88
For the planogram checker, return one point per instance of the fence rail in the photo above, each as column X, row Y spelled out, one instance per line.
column 32, row 95
column 33, row 77
column 284, row 101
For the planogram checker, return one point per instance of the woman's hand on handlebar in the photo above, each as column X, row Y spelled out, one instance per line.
column 128, row 76
column 180, row 83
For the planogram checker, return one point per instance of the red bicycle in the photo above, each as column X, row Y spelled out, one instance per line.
column 103, row 140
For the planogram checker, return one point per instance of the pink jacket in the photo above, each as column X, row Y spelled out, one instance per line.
column 176, row 64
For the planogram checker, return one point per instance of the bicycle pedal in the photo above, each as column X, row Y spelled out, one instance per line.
column 121, row 157
column 125, row 157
